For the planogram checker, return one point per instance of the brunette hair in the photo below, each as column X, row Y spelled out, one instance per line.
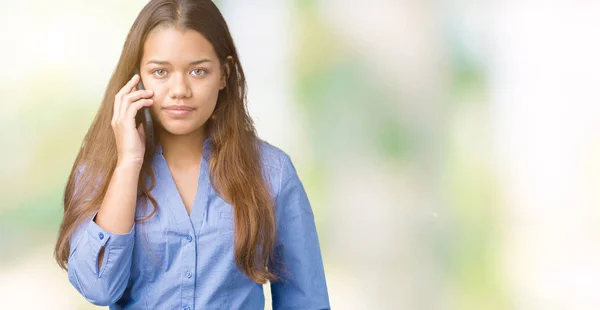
column 235, row 169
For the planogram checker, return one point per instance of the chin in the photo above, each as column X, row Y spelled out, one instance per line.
column 181, row 129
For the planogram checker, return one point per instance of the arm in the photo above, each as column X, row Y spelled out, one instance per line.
column 298, row 259
column 101, row 247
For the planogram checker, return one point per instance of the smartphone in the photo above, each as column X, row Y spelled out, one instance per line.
column 144, row 116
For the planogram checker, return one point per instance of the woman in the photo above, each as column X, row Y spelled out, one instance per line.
column 209, row 212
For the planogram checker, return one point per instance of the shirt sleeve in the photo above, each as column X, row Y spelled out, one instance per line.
column 298, row 260
column 105, row 285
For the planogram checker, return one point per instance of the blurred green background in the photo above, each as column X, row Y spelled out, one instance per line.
column 449, row 148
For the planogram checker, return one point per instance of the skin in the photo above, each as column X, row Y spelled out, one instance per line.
column 175, row 80
column 178, row 81
column 181, row 67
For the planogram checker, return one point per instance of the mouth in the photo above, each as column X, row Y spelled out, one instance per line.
column 178, row 111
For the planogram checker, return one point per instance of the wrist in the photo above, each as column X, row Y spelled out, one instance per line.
column 129, row 165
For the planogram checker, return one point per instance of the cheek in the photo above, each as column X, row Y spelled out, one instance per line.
column 206, row 94
column 159, row 97
column 210, row 85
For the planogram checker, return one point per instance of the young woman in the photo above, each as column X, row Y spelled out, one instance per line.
column 209, row 212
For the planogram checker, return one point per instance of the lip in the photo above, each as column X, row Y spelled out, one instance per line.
column 178, row 111
column 179, row 108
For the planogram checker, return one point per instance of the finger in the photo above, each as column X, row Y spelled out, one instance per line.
column 129, row 86
column 134, row 87
column 132, row 97
column 142, row 133
column 133, row 109
column 119, row 96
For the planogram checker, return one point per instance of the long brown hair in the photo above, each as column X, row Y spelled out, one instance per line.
column 235, row 169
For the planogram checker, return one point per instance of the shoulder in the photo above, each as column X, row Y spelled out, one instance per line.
column 290, row 196
column 276, row 163
column 272, row 156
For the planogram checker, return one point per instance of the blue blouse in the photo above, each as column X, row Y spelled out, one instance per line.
column 179, row 261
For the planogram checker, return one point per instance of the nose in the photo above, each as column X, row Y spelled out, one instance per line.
column 179, row 87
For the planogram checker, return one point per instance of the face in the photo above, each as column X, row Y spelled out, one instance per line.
column 182, row 69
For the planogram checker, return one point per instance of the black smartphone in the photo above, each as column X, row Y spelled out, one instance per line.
column 144, row 116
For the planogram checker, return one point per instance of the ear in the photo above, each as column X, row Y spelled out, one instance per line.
column 227, row 71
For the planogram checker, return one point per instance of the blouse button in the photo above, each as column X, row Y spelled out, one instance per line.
column 101, row 236
column 186, row 308
column 188, row 274
column 189, row 238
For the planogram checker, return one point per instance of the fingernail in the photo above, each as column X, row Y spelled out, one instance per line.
column 133, row 78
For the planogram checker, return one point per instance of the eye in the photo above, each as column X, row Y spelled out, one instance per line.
column 159, row 72
column 199, row 72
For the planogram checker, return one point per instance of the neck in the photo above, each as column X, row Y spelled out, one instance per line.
column 182, row 150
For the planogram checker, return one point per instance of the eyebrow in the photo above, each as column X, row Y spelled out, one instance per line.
column 162, row 62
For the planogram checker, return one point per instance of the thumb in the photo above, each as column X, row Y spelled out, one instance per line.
column 141, row 132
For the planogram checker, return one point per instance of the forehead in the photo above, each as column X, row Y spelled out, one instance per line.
column 177, row 46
